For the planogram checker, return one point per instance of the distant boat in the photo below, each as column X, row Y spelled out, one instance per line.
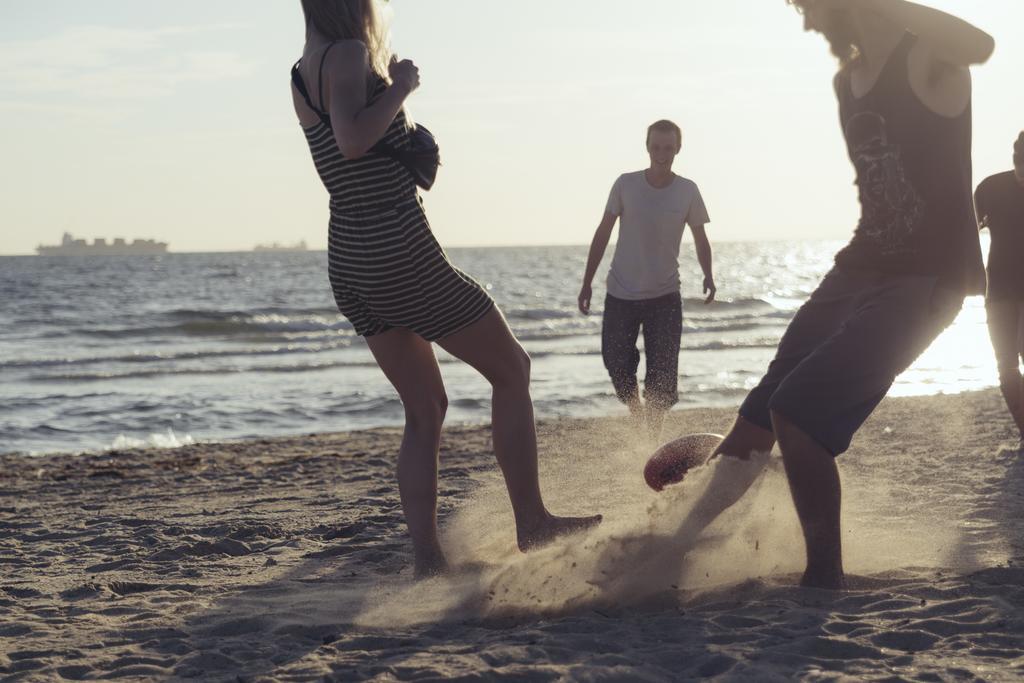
column 298, row 246
column 69, row 246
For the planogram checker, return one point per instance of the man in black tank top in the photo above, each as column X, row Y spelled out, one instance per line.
column 905, row 109
column 1000, row 203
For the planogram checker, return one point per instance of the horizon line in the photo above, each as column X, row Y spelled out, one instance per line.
column 450, row 246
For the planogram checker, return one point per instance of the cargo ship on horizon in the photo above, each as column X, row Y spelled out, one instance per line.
column 298, row 246
column 70, row 246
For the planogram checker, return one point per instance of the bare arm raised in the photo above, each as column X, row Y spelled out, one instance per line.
column 949, row 39
column 358, row 127
column 939, row 63
column 947, row 46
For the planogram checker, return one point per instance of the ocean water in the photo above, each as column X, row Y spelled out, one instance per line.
column 100, row 352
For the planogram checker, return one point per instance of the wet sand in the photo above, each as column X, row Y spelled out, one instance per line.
column 286, row 560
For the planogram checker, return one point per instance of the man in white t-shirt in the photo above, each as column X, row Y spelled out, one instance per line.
column 654, row 207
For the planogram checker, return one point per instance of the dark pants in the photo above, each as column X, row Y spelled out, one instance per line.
column 844, row 348
column 662, row 323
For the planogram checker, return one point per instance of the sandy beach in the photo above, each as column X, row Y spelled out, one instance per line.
column 285, row 560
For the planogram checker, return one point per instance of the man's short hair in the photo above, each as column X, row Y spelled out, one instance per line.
column 666, row 126
column 1018, row 152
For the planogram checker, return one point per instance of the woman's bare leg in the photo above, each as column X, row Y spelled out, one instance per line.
column 409, row 363
column 490, row 347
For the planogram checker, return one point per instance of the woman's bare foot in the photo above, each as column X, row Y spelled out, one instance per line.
column 554, row 527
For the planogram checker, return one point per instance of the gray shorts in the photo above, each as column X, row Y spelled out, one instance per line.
column 845, row 347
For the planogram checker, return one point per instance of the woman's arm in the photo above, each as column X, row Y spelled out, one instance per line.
column 357, row 127
column 950, row 39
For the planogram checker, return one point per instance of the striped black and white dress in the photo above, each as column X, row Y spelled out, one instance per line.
column 386, row 268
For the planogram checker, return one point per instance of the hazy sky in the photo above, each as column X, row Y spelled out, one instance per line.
column 173, row 120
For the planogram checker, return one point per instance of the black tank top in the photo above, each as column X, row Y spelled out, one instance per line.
column 914, row 180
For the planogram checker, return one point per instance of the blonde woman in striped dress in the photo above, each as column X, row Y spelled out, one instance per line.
column 392, row 280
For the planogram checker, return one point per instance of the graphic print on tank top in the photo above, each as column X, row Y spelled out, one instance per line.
column 892, row 208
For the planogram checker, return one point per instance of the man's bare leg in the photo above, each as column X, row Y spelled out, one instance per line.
column 817, row 495
column 637, row 416
column 736, row 464
column 1012, row 388
column 1004, row 327
column 655, row 421
column 1020, row 412
column 1019, row 415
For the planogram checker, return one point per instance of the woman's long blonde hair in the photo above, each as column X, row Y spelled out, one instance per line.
column 352, row 20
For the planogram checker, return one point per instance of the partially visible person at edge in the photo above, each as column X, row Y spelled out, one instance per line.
column 904, row 92
column 393, row 281
column 653, row 208
column 1000, row 204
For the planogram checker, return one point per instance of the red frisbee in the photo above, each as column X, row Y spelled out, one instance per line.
column 671, row 462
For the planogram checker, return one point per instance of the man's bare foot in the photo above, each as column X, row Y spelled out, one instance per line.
column 655, row 421
column 427, row 567
column 636, row 414
column 829, row 580
column 552, row 528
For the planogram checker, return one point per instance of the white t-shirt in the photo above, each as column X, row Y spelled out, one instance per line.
column 651, row 224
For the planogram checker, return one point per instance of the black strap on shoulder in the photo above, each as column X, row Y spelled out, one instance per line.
column 381, row 147
column 320, row 76
column 300, row 86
